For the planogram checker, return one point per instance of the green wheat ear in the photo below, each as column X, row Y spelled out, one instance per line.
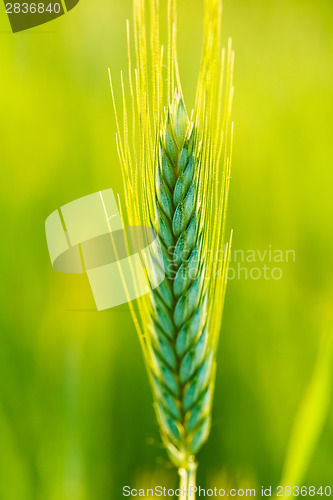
column 176, row 173
column 182, row 370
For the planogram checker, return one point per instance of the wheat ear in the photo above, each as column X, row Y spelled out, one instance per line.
column 180, row 347
column 176, row 173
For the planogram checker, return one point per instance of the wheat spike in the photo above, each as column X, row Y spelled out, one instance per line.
column 180, row 347
column 176, row 173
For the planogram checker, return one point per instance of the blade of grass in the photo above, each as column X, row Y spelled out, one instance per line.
column 310, row 417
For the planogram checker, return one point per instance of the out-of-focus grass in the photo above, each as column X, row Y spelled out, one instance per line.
column 310, row 417
column 70, row 378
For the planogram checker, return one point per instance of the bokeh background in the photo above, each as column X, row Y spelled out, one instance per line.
column 76, row 417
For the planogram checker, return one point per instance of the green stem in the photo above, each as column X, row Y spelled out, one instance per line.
column 187, row 482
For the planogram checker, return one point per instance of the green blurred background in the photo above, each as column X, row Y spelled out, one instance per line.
column 76, row 417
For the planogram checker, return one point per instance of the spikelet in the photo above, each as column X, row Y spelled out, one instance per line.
column 176, row 172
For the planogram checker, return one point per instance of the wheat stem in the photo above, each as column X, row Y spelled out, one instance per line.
column 187, row 482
